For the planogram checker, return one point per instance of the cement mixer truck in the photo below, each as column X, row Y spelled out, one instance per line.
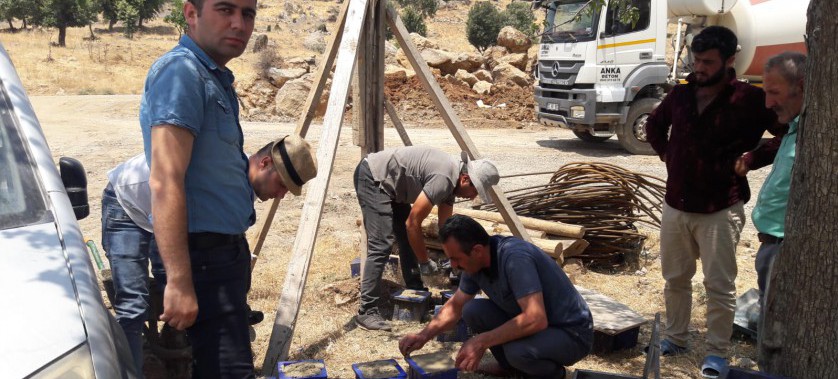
column 599, row 76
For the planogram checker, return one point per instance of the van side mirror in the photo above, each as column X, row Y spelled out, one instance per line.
column 75, row 182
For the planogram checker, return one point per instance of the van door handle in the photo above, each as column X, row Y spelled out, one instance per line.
column 646, row 55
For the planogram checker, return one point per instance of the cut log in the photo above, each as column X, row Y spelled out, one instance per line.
column 550, row 227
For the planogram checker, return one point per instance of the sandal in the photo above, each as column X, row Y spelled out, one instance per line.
column 713, row 366
column 668, row 349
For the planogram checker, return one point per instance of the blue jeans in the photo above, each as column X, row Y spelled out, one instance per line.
column 220, row 337
column 127, row 247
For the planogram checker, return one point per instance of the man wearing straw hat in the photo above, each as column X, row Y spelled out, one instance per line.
column 127, row 230
column 387, row 183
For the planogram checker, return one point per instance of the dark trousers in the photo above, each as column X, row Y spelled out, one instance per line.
column 384, row 222
column 765, row 257
column 220, row 338
column 544, row 354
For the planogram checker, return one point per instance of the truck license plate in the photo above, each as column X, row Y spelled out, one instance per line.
column 552, row 106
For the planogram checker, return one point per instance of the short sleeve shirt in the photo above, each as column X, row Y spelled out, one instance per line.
column 129, row 181
column 187, row 89
column 403, row 173
column 518, row 269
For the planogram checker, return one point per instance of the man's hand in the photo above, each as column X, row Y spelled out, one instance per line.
column 468, row 359
column 740, row 167
column 180, row 306
column 411, row 343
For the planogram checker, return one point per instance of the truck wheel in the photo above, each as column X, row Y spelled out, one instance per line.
column 586, row 136
column 632, row 134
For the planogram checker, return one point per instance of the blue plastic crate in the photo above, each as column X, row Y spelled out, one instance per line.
column 360, row 375
column 410, row 305
column 416, row 372
column 321, row 375
column 741, row 373
column 460, row 333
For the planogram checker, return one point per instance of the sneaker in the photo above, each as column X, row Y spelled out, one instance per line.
column 428, row 268
column 372, row 321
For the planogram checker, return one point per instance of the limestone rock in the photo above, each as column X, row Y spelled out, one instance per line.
column 280, row 76
column 455, row 81
column 423, row 43
column 394, row 73
column 517, row 60
column 298, row 62
column 482, row 87
column 437, row 58
column 514, row 40
column 463, row 75
column 493, row 54
column 505, row 73
column 483, row 75
column 291, row 98
column 467, row 61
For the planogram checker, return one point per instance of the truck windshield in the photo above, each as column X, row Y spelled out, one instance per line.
column 569, row 21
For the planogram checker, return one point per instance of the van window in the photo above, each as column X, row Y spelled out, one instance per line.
column 613, row 25
column 21, row 198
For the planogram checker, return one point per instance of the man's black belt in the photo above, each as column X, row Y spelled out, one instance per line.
column 767, row 238
column 209, row 240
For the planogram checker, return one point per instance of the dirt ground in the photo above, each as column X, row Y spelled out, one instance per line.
column 103, row 131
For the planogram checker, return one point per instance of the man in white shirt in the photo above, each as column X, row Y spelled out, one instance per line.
column 127, row 225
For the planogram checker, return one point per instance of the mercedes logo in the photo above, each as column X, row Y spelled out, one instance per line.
column 555, row 69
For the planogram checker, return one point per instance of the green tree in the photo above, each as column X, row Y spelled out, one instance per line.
column 426, row 8
column 413, row 21
column 63, row 14
column 519, row 16
column 23, row 10
column 148, row 10
column 109, row 12
column 483, row 25
column 128, row 12
column 176, row 18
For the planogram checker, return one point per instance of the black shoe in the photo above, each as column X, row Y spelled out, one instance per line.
column 372, row 321
column 255, row 317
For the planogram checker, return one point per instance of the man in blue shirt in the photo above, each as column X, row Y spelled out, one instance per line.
column 783, row 85
column 201, row 200
column 534, row 321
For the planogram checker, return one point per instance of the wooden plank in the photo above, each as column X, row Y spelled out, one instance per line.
column 295, row 278
column 394, row 118
column 610, row 316
column 448, row 115
column 303, row 123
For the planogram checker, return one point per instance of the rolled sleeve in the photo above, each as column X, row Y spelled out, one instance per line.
column 439, row 190
column 176, row 95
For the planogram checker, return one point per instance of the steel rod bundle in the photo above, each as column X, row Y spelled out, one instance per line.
column 608, row 200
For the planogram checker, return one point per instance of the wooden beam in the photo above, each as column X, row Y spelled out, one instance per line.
column 448, row 115
column 394, row 118
column 304, row 122
column 295, row 278
column 551, row 227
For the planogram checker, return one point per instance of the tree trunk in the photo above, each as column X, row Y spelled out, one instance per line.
column 62, row 36
column 90, row 27
column 111, row 22
column 800, row 331
column 24, row 22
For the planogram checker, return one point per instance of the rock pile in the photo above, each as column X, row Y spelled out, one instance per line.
column 282, row 91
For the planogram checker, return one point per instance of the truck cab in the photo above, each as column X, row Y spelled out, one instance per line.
column 599, row 76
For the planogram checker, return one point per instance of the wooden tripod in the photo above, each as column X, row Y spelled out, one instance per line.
column 357, row 43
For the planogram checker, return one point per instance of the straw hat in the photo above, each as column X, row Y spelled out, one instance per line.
column 294, row 162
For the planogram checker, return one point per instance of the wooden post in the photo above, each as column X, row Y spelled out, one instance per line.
column 450, row 118
column 295, row 279
column 305, row 121
column 394, row 118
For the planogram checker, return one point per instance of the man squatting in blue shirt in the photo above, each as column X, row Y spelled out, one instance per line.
column 534, row 321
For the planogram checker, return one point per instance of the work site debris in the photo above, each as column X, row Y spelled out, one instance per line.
column 608, row 200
